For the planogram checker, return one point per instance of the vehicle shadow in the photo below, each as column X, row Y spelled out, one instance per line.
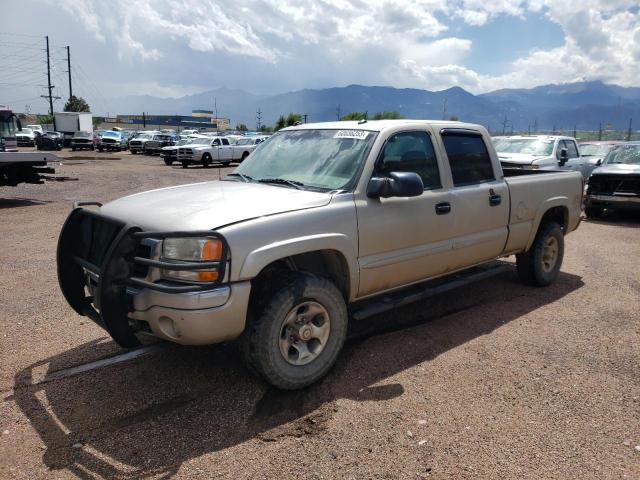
column 148, row 416
column 21, row 202
column 618, row 217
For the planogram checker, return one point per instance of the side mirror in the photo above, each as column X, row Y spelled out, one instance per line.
column 599, row 162
column 398, row 184
column 564, row 156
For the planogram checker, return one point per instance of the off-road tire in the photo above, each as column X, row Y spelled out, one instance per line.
column 244, row 156
column 206, row 160
column 168, row 162
column 259, row 343
column 593, row 212
column 530, row 264
column 185, row 164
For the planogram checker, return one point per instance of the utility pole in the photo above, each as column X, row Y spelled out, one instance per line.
column 144, row 120
column 69, row 70
column 338, row 112
column 305, row 117
column 629, row 131
column 49, row 86
column 444, row 109
column 574, row 132
column 554, row 128
column 258, row 119
column 600, row 132
column 504, row 124
column 215, row 109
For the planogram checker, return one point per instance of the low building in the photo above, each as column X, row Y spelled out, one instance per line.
column 200, row 119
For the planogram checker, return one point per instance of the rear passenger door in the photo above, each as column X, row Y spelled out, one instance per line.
column 404, row 239
column 479, row 199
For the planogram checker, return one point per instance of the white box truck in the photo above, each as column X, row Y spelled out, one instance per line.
column 69, row 123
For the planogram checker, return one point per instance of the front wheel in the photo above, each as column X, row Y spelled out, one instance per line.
column 298, row 333
column 206, row 160
column 540, row 266
column 168, row 162
column 185, row 164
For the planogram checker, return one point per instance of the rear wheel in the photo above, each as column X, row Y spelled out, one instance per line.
column 540, row 266
column 244, row 156
column 295, row 336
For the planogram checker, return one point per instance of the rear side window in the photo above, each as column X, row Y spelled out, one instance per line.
column 411, row 152
column 468, row 157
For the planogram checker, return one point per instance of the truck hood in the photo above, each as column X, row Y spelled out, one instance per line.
column 522, row 158
column 618, row 169
column 209, row 205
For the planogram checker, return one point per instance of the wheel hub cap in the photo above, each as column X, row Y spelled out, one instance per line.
column 550, row 254
column 304, row 333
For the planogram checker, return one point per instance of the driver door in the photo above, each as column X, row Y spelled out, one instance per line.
column 405, row 240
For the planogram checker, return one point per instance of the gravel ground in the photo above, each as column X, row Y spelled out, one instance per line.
column 493, row 380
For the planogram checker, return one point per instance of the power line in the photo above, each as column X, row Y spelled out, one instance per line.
column 14, row 34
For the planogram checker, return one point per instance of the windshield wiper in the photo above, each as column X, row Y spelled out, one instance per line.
column 282, row 181
column 242, row 176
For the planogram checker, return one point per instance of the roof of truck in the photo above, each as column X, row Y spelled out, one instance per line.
column 378, row 125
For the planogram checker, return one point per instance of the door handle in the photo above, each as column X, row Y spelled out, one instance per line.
column 443, row 208
column 495, row 200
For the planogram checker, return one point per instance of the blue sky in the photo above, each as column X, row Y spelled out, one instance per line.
column 177, row 47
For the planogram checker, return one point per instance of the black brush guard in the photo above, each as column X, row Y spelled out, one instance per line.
column 107, row 248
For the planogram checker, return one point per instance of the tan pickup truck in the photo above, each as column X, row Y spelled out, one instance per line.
column 319, row 219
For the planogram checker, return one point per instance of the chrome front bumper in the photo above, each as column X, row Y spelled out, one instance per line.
column 619, row 201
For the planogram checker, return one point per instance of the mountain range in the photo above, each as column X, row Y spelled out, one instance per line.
column 581, row 105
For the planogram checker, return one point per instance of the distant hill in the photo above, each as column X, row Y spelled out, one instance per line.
column 583, row 104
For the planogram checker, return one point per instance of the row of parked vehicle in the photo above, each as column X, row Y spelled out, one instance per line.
column 611, row 169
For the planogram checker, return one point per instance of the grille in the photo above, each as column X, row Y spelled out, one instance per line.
column 136, row 143
column 108, row 140
column 185, row 151
column 97, row 234
column 610, row 184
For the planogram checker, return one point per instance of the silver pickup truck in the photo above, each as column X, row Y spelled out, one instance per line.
column 318, row 219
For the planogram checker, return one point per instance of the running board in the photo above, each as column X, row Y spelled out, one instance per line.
column 430, row 288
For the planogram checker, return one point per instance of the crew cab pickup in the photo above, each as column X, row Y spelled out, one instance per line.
column 218, row 149
column 319, row 219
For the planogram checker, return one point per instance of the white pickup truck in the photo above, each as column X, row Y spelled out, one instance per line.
column 318, row 223
column 540, row 152
column 216, row 150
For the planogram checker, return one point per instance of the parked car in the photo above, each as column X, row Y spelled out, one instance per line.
column 217, row 150
column 154, row 145
column 96, row 136
column 616, row 184
column 111, row 141
column 26, row 137
column 82, row 140
column 170, row 154
column 36, row 128
column 315, row 221
column 539, row 152
column 136, row 144
column 593, row 154
column 50, row 141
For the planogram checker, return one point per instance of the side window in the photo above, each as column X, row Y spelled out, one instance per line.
column 411, row 152
column 225, row 141
column 216, row 142
column 571, row 148
column 468, row 157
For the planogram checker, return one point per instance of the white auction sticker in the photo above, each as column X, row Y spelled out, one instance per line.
column 355, row 134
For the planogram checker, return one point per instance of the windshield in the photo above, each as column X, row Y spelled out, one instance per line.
column 82, row 134
column 594, row 149
column 144, row 135
column 530, row 146
column 325, row 159
column 8, row 125
column 628, row 154
column 111, row 134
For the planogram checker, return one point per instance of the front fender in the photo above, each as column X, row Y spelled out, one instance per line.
column 259, row 258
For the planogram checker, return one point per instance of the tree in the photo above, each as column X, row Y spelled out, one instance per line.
column 45, row 119
column 241, row 127
column 76, row 104
column 293, row 118
column 281, row 122
column 387, row 116
column 454, row 118
column 354, row 116
column 265, row 129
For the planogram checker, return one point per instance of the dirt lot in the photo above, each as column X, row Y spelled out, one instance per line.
column 493, row 380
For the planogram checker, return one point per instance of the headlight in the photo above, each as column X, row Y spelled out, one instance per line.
column 192, row 250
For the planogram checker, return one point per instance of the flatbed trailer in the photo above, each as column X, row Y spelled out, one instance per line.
column 25, row 167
